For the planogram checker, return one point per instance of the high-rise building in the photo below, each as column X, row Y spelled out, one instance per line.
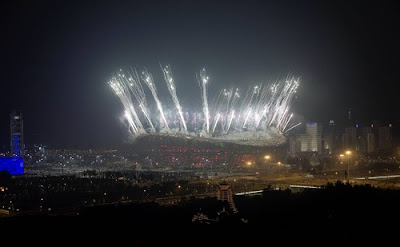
column 14, row 165
column 330, row 138
column 385, row 137
column 349, row 138
column 17, row 135
column 367, row 140
column 370, row 143
column 294, row 144
column 311, row 141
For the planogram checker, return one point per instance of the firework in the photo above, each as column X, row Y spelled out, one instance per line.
column 261, row 117
column 168, row 78
column 203, row 83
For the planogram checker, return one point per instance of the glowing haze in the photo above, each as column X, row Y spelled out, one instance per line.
column 260, row 116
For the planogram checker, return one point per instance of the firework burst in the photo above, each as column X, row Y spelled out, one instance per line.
column 260, row 117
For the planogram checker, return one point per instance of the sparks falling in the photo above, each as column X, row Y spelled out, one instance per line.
column 263, row 113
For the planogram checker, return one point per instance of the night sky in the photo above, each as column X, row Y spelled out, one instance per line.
column 57, row 57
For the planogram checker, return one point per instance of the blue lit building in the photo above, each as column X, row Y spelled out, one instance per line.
column 17, row 137
column 12, row 165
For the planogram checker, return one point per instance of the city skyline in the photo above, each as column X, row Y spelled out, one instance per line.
column 58, row 58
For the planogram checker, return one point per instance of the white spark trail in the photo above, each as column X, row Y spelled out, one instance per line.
column 132, row 125
column 136, row 119
column 148, row 80
column 247, row 117
column 168, row 78
column 133, row 80
column 286, row 121
column 230, row 120
column 122, row 91
column 216, row 122
column 203, row 82
column 294, row 126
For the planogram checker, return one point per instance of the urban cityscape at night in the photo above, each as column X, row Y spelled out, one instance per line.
column 174, row 122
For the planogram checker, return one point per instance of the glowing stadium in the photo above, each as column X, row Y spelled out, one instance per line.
column 259, row 117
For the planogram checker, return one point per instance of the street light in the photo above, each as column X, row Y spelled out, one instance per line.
column 348, row 153
column 279, row 168
column 341, row 158
column 267, row 158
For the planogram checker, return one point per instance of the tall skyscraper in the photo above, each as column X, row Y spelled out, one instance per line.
column 311, row 141
column 17, row 135
column 385, row 137
column 330, row 138
column 294, row 144
column 367, row 140
column 349, row 138
column 14, row 165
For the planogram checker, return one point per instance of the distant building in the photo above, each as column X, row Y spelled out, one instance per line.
column 365, row 137
column 14, row 165
column 367, row 140
column 17, row 135
column 40, row 148
column 311, row 141
column 385, row 137
column 294, row 144
column 175, row 151
column 349, row 138
column 330, row 138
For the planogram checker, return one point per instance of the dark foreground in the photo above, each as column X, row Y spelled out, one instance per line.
column 336, row 214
